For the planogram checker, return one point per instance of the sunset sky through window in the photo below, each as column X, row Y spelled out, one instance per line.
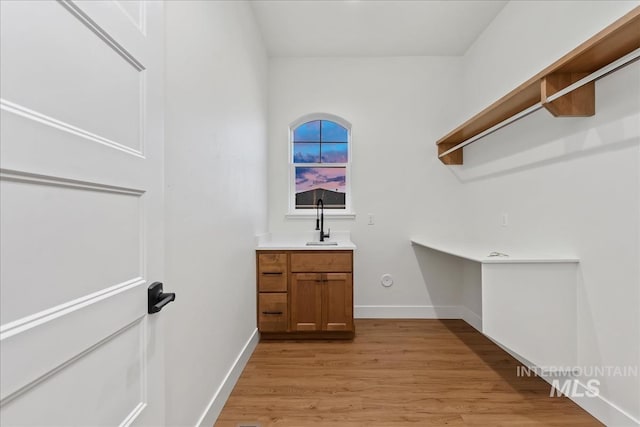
column 320, row 141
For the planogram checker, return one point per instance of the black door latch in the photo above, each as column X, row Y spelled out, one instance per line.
column 156, row 299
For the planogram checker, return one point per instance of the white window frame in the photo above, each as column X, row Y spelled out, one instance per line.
column 347, row 212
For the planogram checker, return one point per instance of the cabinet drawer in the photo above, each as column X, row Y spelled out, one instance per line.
column 272, row 312
column 326, row 262
column 272, row 262
column 272, row 272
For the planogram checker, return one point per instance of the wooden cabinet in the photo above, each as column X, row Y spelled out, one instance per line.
column 317, row 287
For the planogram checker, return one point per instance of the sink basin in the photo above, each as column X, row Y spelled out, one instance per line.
column 322, row 243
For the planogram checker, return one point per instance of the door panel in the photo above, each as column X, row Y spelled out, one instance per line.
column 107, row 230
column 306, row 301
column 32, row 348
column 338, row 302
column 89, row 384
column 44, row 48
column 134, row 10
column 81, row 222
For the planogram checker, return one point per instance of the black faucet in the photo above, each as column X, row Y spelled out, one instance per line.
column 320, row 220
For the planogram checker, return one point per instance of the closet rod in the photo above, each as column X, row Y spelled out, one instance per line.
column 515, row 117
column 613, row 66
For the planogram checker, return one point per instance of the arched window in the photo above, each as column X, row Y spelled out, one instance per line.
column 320, row 160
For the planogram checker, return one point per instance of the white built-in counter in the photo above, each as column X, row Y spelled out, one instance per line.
column 528, row 300
column 297, row 241
column 484, row 255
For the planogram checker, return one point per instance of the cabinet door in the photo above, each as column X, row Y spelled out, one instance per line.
column 338, row 302
column 306, row 301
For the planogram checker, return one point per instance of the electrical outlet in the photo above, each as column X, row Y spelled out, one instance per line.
column 505, row 220
column 372, row 220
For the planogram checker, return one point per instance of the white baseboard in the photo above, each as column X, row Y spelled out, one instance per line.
column 209, row 416
column 601, row 408
column 604, row 410
column 471, row 318
column 406, row 312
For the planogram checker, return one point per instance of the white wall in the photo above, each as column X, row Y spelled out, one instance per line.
column 398, row 107
column 524, row 38
column 569, row 185
column 215, row 195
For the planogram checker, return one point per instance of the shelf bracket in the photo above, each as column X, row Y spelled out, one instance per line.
column 452, row 158
column 580, row 102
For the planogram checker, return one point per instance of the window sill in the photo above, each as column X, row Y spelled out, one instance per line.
column 327, row 215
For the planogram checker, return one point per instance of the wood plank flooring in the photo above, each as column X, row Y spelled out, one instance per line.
column 394, row 373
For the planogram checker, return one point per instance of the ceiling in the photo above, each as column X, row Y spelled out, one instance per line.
column 302, row 28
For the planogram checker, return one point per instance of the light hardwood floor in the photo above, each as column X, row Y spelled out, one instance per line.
column 394, row 373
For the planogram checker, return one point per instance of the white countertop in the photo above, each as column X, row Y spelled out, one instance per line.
column 481, row 255
column 296, row 241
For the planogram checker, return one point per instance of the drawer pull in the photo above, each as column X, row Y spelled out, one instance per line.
column 271, row 312
column 272, row 273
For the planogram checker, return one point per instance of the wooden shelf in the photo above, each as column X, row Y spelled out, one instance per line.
column 610, row 44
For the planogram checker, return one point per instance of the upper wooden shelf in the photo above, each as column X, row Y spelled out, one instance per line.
column 610, row 44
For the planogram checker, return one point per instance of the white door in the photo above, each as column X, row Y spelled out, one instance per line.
column 81, row 212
